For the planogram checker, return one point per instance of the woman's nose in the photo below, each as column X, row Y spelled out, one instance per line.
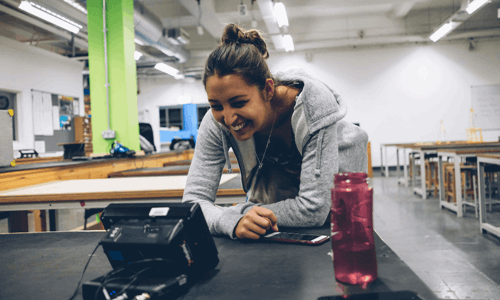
column 229, row 117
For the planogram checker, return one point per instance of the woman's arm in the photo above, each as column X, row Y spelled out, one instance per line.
column 204, row 177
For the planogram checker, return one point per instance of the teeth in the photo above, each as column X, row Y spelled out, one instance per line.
column 236, row 128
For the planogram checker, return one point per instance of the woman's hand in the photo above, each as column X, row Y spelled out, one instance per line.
column 255, row 223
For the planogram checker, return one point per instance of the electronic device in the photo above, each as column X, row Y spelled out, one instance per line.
column 153, row 247
column 399, row 295
column 289, row 237
column 173, row 231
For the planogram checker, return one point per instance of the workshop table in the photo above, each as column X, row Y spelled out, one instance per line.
column 384, row 162
column 483, row 160
column 97, row 193
column 430, row 149
column 405, row 180
column 385, row 169
column 188, row 162
column 457, row 153
column 36, row 171
column 181, row 169
column 91, row 167
column 48, row 266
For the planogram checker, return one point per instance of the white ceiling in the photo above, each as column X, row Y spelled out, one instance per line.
column 315, row 25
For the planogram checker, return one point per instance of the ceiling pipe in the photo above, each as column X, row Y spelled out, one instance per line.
column 391, row 40
column 266, row 11
column 209, row 19
column 400, row 10
column 147, row 23
column 149, row 29
column 367, row 41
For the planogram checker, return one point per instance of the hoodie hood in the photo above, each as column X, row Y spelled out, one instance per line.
column 317, row 106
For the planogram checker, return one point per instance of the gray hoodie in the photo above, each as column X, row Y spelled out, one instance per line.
column 327, row 144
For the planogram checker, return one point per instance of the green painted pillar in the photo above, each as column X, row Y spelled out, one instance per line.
column 122, row 76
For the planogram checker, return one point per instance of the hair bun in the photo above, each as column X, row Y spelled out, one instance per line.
column 234, row 34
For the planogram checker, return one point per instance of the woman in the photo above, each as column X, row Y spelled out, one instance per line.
column 286, row 132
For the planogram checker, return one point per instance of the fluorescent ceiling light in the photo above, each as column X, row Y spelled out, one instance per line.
column 138, row 42
column 50, row 16
column 442, row 31
column 199, row 29
column 137, row 55
column 166, row 69
column 475, row 5
column 166, row 51
column 288, row 42
column 280, row 14
column 173, row 40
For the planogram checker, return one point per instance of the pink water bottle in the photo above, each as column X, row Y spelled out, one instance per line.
column 353, row 246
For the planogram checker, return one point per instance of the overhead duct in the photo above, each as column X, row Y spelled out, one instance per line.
column 266, row 10
column 149, row 29
column 147, row 23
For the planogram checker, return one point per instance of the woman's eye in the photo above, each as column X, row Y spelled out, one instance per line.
column 239, row 104
column 217, row 107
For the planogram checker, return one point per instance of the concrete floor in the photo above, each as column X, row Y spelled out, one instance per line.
column 449, row 254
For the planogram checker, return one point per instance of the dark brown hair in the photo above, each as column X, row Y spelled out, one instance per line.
column 242, row 52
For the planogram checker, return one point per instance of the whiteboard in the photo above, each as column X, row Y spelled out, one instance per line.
column 486, row 104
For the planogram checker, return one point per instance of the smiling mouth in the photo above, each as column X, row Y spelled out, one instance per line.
column 239, row 127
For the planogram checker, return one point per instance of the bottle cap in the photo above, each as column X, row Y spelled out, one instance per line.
column 356, row 176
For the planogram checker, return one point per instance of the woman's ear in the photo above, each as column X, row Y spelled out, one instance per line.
column 269, row 89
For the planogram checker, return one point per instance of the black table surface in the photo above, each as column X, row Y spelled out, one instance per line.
column 48, row 266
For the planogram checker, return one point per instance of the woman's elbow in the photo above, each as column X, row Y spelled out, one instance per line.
column 319, row 216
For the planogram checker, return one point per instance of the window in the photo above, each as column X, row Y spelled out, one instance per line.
column 171, row 117
column 202, row 110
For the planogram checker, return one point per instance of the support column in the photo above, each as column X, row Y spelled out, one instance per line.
column 122, row 76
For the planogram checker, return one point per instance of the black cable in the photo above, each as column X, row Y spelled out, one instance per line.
column 103, row 284
column 129, row 267
column 84, row 269
column 133, row 277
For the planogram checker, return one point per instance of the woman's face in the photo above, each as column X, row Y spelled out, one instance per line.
column 240, row 107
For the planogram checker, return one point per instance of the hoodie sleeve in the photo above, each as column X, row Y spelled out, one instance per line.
column 204, row 177
column 340, row 147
